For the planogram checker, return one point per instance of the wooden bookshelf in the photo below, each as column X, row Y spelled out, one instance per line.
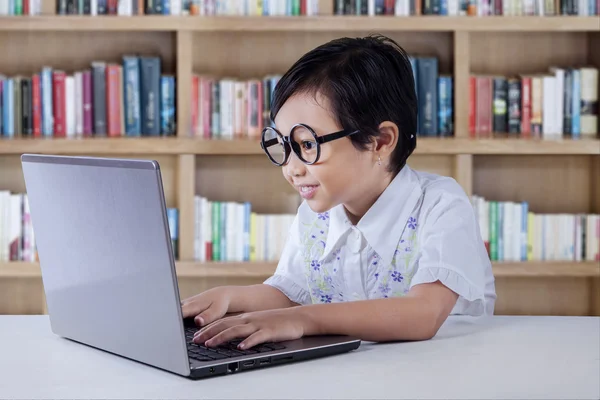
column 183, row 145
column 554, row 176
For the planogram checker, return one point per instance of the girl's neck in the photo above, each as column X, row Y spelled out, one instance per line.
column 355, row 210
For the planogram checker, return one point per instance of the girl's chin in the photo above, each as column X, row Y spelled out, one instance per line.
column 318, row 206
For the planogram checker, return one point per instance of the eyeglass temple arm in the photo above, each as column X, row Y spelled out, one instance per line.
column 334, row 136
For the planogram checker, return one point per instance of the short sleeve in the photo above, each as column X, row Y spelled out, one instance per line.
column 289, row 276
column 453, row 253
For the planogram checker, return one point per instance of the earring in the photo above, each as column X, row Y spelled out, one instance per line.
column 379, row 160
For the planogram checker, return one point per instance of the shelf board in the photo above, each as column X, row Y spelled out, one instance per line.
column 262, row 270
column 586, row 269
column 327, row 23
column 174, row 146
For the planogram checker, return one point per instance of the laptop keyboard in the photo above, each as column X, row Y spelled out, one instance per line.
column 224, row 351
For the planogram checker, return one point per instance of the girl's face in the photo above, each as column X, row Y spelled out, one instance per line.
column 343, row 174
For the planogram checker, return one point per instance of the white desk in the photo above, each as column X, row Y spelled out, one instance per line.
column 501, row 357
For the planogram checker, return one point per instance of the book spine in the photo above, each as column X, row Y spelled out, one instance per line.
column 15, row 227
column 70, row 114
column 526, row 106
column 59, row 101
column 445, row 106
column 87, row 103
column 121, row 100
column 568, row 102
column 514, row 106
column 216, row 240
column 494, row 230
column 150, row 100
column 548, row 101
column 500, row 95
column 9, row 105
column 205, row 98
column 61, row 7
column 589, row 102
column 99, row 96
column 427, row 99
column 472, row 106
column 131, row 73
column 536, row 105
column 87, row 7
column 530, row 236
column 102, row 7
column 576, row 104
column 524, row 214
column 2, row 78
column 168, row 105
column 173, row 221
column 27, row 118
column 112, row 100
column 112, row 7
column 216, row 112
column 18, row 111
column 158, row 6
column 484, row 105
column 79, row 104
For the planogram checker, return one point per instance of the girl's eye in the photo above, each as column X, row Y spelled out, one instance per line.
column 308, row 145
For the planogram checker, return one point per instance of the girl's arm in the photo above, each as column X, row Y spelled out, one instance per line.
column 417, row 316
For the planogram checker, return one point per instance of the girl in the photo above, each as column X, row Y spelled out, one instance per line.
column 377, row 250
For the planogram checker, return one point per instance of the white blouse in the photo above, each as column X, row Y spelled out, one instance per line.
column 421, row 229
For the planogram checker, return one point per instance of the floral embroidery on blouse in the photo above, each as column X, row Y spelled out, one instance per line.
column 325, row 279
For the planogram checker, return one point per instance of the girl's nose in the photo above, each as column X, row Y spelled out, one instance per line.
column 294, row 166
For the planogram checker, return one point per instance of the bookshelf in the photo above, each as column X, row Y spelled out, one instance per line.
column 554, row 176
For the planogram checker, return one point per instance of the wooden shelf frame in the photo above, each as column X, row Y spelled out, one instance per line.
column 261, row 270
column 459, row 156
column 328, row 23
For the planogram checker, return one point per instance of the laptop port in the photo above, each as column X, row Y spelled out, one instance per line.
column 264, row 361
column 233, row 367
column 247, row 364
column 283, row 358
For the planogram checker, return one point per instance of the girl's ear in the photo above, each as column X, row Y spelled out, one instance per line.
column 387, row 139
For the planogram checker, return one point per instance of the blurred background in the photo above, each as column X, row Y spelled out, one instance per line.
column 508, row 106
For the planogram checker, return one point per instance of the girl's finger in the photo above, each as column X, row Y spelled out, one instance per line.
column 235, row 332
column 254, row 339
column 214, row 329
column 194, row 308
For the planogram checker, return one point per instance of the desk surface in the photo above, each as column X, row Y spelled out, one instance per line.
column 498, row 357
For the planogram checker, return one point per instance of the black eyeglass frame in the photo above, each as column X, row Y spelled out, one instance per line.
column 289, row 145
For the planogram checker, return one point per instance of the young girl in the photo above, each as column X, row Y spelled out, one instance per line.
column 377, row 250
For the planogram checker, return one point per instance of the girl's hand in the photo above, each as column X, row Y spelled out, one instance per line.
column 254, row 328
column 208, row 306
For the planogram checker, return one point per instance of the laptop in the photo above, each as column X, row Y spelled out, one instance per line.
column 108, row 271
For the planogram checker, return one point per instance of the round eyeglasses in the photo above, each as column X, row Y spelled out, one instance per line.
column 303, row 141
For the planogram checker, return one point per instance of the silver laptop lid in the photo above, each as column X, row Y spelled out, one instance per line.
column 107, row 268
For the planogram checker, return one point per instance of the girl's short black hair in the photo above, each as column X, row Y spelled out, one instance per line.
column 367, row 81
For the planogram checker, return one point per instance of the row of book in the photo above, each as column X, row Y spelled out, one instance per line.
column 435, row 98
column 512, row 232
column 228, row 108
column 109, row 99
column 20, row 7
column 231, row 231
column 188, row 7
column 17, row 238
column 466, row 7
column 562, row 102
